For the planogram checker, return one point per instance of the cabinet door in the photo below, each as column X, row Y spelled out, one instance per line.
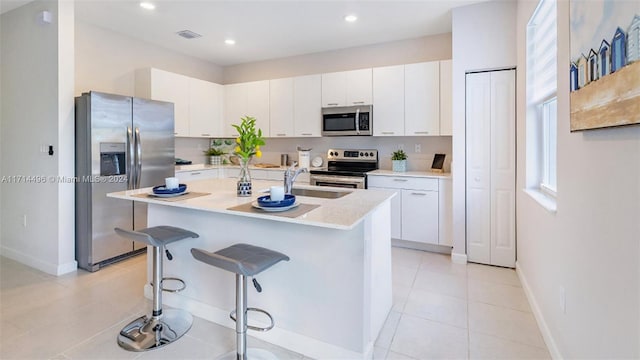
column 445, row 212
column 420, row 216
column 258, row 104
column 205, row 108
column 359, row 87
column 281, row 108
column 307, row 105
column 446, row 93
column 388, row 98
column 422, row 99
column 334, row 89
column 235, row 107
column 166, row 86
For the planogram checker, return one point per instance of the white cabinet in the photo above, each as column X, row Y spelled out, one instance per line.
column 186, row 176
column 246, row 99
column 307, row 106
column 490, row 167
column 281, row 107
column 162, row 85
column 446, row 93
column 416, row 213
column 347, row 88
column 205, row 108
column 388, row 100
column 197, row 103
column 422, row 99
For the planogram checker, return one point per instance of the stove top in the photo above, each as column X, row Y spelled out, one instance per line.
column 349, row 162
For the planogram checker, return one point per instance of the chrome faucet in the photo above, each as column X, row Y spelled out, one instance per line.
column 290, row 176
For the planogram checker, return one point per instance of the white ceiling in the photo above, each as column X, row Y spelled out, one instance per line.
column 267, row 29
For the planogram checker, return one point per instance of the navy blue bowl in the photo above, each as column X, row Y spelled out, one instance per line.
column 265, row 201
column 162, row 189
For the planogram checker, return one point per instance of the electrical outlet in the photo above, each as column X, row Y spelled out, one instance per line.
column 417, row 148
column 563, row 300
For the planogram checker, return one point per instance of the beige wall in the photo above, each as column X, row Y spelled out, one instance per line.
column 591, row 245
column 106, row 61
column 427, row 48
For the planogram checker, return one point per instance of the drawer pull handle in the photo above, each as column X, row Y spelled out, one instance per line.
column 421, row 132
column 332, row 104
column 358, row 102
column 402, row 180
column 388, row 132
column 205, row 135
column 421, row 194
column 281, row 134
column 306, row 134
column 195, row 173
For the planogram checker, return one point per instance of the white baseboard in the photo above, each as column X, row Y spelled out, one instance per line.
column 49, row 268
column 458, row 258
column 537, row 313
column 289, row 340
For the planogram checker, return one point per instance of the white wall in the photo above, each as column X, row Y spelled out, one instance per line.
column 483, row 38
column 37, row 110
column 591, row 246
column 106, row 61
column 427, row 48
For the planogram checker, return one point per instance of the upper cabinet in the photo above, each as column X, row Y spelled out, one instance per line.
column 446, row 91
column 388, row 100
column 246, row 99
column 281, row 109
column 347, row 88
column 165, row 86
column 197, row 103
column 422, row 99
column 307, row 106
column 205, row 108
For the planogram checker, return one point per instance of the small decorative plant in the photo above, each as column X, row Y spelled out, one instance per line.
column 214, row 152
column 249, row 139
column 399, row 155
column 399, row 161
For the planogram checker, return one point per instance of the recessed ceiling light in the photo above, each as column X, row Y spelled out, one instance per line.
column 350, row 18
column 147, row 5
column 230, row 42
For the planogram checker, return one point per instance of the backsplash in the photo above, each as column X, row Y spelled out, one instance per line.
column 191, row 149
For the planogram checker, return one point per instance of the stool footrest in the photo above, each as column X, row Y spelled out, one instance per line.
column 184, row 285
column 232, row 315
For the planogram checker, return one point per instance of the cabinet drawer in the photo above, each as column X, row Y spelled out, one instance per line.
column 403, row 182
column 197, row 174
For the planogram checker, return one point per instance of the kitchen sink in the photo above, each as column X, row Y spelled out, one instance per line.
column 326, row 194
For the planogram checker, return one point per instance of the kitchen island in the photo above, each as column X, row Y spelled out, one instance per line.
column 329, row 301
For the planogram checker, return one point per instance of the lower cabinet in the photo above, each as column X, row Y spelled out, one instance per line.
column 197, row 174
column 417, row 211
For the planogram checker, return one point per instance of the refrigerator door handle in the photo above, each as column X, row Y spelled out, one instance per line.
column 130, row 159
column 138, row 158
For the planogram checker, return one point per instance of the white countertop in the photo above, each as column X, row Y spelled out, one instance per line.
column 196, row 167
column 423, row 174
column 343, row 213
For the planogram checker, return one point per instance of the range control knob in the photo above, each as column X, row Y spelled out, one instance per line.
column 370, row 154
column 361, row 154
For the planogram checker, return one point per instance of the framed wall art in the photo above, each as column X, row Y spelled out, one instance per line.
column 605, row 63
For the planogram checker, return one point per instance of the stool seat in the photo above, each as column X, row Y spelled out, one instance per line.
column 157, row 235
column 244, row 259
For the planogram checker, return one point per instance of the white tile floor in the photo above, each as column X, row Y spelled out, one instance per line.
column 440, row 310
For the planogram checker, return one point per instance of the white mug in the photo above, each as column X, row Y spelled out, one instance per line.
column 171, row 183
column 277, row 193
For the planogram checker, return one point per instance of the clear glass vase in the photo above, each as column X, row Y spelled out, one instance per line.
column 244, row 178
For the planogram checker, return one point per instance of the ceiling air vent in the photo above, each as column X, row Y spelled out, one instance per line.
column 188, row 34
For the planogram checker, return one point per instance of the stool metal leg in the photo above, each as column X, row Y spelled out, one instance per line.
column 163, row 327
column 241, row 316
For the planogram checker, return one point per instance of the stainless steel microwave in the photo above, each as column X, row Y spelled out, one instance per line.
column 347, row 120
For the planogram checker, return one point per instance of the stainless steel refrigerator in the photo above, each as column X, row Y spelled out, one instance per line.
column 121, row 143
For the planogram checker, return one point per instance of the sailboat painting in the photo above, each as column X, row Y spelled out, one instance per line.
column 605, row 63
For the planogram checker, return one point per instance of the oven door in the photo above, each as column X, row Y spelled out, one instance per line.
column 351, row 182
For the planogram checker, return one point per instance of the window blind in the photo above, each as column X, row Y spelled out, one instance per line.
column 542, row 52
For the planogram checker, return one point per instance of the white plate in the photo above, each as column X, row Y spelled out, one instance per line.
column 274, row 209
column 317, row 161
column 169, row 195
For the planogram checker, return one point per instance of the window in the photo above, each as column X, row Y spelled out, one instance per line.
column 542, row 103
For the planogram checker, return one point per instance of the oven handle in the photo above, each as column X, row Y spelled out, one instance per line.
column 358, row 181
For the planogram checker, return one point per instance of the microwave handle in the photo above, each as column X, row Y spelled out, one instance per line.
column 358, row 121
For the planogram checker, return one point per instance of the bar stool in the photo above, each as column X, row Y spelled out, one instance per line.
column 162, row 327
column 243, row 260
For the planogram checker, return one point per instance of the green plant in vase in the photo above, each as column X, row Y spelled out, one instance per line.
column 399, row 161
column 215, row 155
column 248, row 143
